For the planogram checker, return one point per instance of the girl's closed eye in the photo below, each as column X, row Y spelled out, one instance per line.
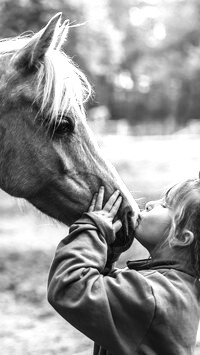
column 165, row 204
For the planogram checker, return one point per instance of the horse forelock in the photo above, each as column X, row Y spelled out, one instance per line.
column 61, row 87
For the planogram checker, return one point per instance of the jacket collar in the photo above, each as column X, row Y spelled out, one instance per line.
column 147, row 264
column 166, row 257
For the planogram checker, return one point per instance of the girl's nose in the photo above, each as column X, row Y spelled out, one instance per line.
column 150, row 205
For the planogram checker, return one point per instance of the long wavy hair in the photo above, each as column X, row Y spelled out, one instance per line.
column 184, row 199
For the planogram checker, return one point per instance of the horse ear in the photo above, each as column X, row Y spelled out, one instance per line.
column 62, row 36
column 35, row 50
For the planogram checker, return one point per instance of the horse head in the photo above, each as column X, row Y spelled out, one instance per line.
column 47, row 152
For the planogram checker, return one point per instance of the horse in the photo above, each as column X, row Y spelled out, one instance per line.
column 48, row 154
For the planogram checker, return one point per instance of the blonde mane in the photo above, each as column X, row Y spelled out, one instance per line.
column 62, row 88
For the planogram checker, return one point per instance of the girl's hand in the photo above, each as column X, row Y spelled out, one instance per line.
column 109, row 211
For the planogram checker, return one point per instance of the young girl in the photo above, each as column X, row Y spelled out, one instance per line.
column 150, row 307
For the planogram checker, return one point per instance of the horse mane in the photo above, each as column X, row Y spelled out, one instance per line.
column 62, row 88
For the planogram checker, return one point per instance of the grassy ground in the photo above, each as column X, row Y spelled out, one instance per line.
column 28, row 324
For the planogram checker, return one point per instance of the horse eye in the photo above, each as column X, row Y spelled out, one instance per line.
column 63, row 126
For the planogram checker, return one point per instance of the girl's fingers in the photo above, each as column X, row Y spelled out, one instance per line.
column 115, row 207
column 109, row 204
column 99, row 200
column 93, row 203
column 117, row 225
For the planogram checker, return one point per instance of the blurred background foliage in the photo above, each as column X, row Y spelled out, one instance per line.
column 141, row 56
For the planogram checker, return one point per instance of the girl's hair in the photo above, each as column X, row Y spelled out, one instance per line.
column 184, row 199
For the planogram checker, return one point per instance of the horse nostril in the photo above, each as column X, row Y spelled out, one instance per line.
column 132, row 218
column 129, row 220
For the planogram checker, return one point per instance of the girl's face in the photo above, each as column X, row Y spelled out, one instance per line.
column 153, row 223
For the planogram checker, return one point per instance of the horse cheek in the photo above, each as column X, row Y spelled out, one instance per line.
column 7, row 182
column 14, row 178
column 4, row 167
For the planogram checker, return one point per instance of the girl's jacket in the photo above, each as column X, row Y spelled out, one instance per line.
column 148, row 308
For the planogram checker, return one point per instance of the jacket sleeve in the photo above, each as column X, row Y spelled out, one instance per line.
column 114, row 310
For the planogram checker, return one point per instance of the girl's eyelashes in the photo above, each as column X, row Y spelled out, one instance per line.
column 165, row 204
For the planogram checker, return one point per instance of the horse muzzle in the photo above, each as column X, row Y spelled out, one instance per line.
column 125, row 235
